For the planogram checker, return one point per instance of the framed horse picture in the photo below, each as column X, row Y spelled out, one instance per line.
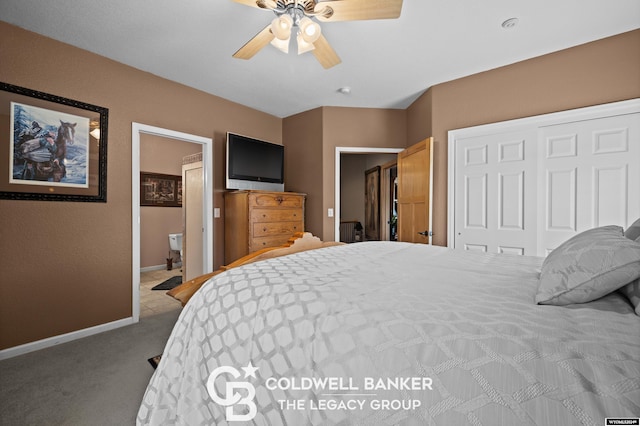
column 57, row 148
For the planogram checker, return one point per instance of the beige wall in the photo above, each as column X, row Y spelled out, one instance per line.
column 352, row 168
column 355, row 127
column 310, row 140
column 77, row 274
column 161, row 155
column 304, row 163
column 604, row 71
column 55, row 279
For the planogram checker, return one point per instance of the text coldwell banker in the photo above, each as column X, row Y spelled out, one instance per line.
column 347, row 384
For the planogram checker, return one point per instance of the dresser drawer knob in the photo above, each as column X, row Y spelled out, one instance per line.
column 279, row 200
column 264, row 229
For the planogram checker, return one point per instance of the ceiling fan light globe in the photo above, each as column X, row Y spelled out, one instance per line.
column 304, row 46
column 282, row 45
column 309, row 30
column 281, row 27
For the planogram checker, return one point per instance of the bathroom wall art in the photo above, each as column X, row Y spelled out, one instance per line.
column 57, row 148
column 160, row 190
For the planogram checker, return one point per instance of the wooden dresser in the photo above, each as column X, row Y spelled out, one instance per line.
column 254, row 220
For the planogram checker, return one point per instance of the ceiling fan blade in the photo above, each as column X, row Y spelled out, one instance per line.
column 357, row 10
column 261, row 4
column 254, row 45
column 324, row 53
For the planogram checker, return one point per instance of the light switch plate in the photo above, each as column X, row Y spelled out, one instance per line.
column 216, row 212
column 330, row 212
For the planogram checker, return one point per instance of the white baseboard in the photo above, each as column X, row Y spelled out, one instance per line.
column 68, row 337
column 159, row 267
column 152, row 268
column 62, row 338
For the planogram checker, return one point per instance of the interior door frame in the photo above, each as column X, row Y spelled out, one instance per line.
column 353, row 150
column 138, row 129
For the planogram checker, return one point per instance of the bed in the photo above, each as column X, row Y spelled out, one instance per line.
column 389, row 333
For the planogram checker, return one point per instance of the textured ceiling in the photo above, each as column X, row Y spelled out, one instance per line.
column 386, row 63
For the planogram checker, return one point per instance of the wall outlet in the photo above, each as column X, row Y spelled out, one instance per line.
column 330, row 212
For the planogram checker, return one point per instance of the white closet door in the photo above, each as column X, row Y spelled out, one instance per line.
column 589, row 176
column 495, row 193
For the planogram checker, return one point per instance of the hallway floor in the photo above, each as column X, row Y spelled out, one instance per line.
column 154, row 302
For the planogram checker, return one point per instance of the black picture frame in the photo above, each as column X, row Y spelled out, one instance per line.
column 160, row 190
column 32, row 122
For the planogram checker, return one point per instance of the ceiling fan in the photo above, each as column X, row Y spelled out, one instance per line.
column 303, row 14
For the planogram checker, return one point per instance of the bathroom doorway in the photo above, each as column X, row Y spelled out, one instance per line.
column 206, row 146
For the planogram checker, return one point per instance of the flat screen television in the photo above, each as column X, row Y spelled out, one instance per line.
column 254, row 164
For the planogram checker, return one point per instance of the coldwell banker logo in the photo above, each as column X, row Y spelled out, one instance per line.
column 232, row 397
column 334, row 393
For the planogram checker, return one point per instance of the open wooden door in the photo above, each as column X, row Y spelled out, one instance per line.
column 415, row 183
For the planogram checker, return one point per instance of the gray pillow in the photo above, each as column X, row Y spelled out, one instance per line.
column 633, row 232
column 632, row 291
column 588, row 266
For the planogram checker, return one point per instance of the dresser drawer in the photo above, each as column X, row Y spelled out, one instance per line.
column 273, row 215
column 255, row 220
column 275, row 200
column 259, row 243
column 266, row 229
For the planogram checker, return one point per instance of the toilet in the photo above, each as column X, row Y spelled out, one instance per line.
column 175, row 243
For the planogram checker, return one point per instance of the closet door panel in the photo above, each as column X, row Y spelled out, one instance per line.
column 592, row 170
column 611, row 191
column 495, row 193
column 525, row 186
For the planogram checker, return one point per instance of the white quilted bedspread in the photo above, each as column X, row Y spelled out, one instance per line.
column 460, row 328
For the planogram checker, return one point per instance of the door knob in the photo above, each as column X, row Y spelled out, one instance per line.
column 426, row 233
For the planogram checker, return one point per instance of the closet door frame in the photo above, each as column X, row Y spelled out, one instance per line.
column 532, row 123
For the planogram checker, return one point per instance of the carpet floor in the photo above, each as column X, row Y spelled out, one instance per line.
column 94, row 381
